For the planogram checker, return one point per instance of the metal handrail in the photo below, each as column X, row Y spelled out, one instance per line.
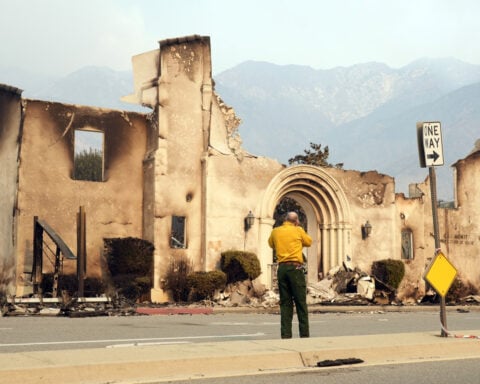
column 67, row 253
column 41, row 227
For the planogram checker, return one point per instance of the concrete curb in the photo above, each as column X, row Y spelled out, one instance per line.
column 158, row 363
column 315, row 308
column 174, row 311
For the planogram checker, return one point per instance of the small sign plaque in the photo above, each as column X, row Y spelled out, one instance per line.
column 430, row 146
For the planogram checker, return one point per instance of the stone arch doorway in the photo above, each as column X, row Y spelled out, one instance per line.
column 328, row 215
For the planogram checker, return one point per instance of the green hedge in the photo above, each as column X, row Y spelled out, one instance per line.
column 129, row 255
column 390, row 272
column 240, row 265
column 130, row 262
column 204, row 284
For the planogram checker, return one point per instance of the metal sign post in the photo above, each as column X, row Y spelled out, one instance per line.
column 430, row 150
column 436, row 235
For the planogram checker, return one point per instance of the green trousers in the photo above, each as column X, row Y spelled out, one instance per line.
column 293, row 289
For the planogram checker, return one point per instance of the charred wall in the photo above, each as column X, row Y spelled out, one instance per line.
column 460, row 227
column 371, row 196
column 47, row 187
column 184, row 113
column 10, row 130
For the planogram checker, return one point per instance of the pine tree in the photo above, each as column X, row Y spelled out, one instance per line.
column 88, row 165
column 314, row 156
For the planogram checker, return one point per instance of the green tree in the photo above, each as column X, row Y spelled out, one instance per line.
column 89, row 165
column 315, row 155
column 286, row 205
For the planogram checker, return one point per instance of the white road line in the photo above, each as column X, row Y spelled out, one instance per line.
column 274, row 323
column 151, row 339
column 147, row 344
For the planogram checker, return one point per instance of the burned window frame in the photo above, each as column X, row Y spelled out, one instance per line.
column 89, row 150
column 178, row 232
column 407, row 244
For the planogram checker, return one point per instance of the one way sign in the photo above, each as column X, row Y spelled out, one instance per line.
column 430, row 147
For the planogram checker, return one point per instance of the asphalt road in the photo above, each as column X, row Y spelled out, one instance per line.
column 396, row 347
column 19, row 334
column 438, row 372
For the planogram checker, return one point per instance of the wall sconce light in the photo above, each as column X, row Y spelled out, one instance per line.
column 249, row 220
column 366, row 230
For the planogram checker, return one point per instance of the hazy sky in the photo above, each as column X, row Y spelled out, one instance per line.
column 61, row 36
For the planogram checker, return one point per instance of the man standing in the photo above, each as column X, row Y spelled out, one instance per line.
column 288, row 241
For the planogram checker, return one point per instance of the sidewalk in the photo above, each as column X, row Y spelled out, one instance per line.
column 159, row 363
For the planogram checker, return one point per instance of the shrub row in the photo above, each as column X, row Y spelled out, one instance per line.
column 186, row 285
column 130, row 262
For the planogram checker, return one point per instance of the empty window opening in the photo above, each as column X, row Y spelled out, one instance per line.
column 177, row 237
column 88, row 156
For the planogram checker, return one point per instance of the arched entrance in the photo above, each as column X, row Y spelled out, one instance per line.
column 328, row 215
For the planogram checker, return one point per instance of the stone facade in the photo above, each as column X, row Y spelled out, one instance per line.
column 180, row 178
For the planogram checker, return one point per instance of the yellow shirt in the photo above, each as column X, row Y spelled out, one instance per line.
column 288, row 241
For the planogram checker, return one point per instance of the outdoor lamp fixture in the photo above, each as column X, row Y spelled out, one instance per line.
column 366, row 230
column 249, row 220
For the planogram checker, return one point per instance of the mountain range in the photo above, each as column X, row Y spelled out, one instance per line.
column 366, row 114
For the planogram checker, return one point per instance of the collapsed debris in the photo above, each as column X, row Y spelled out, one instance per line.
column 350, row 286
column 341, row 286
column 70, row 307
column 470, row 299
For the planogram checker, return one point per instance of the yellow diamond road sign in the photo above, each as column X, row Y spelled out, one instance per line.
column 440, row 274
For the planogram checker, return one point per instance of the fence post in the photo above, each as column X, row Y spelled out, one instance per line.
column 81, row 251
column 37, row 256
column 56, row 273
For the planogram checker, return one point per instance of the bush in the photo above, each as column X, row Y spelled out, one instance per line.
column 129, row 256
column 6, row 279
column 460, row 289
column 239, row 266
column 176, row 278
column 132, row 287
column 390, row 272
column 130, row 262
column 203, row 285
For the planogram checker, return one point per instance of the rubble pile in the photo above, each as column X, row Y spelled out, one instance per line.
column 342, row 285
column 470, row 299
column 354, row 287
